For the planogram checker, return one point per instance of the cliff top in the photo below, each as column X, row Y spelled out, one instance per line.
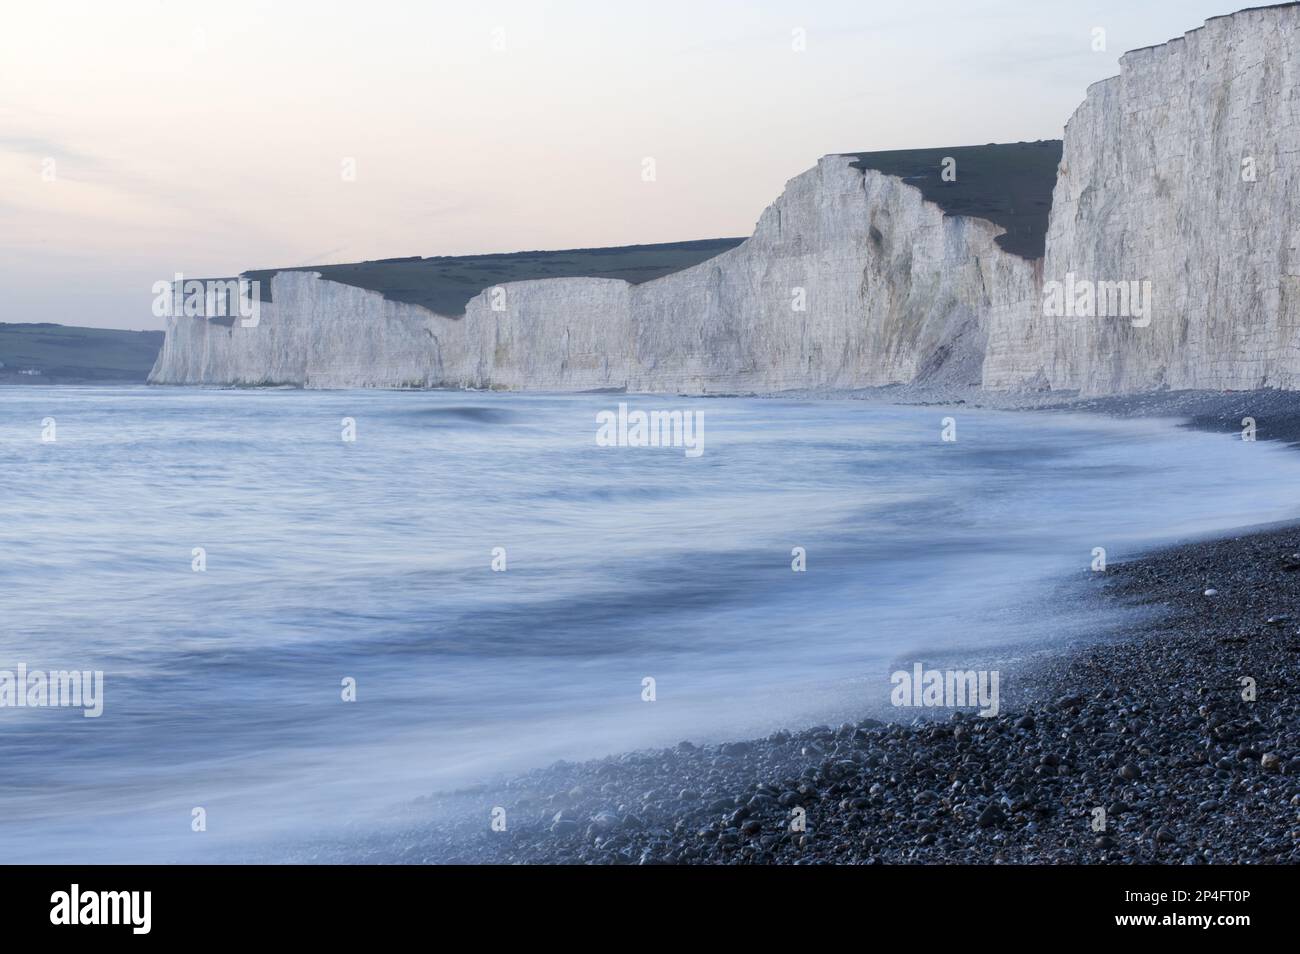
column 446, row 283
column 1266, row 6
column 1208, row 21
column 1009, row 184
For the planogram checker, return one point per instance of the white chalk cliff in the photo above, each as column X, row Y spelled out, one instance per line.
column 1184, row 171
column 850, row 279
column 893, row 291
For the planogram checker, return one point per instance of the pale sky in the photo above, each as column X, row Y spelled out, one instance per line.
column 210, row 137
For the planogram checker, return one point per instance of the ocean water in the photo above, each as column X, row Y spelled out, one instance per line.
column 371, row 560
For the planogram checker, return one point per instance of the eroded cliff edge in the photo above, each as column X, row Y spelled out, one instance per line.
column 853, row 278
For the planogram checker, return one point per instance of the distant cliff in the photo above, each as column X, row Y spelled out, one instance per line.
column 871, row 269
column 59, row 354
column 851, row 279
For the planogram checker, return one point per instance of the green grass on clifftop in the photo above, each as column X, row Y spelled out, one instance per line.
column 1010, row 184
column 446, row 283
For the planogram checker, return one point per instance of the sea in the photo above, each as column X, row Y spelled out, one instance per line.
column 307, row 609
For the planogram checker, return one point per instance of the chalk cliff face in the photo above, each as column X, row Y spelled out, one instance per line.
column 1155, row 185
column 1181, row 172
column 851, row 279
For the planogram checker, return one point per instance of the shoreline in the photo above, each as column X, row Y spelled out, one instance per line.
column 1144, row 721
column 1148, row 724
column 1276, row 413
